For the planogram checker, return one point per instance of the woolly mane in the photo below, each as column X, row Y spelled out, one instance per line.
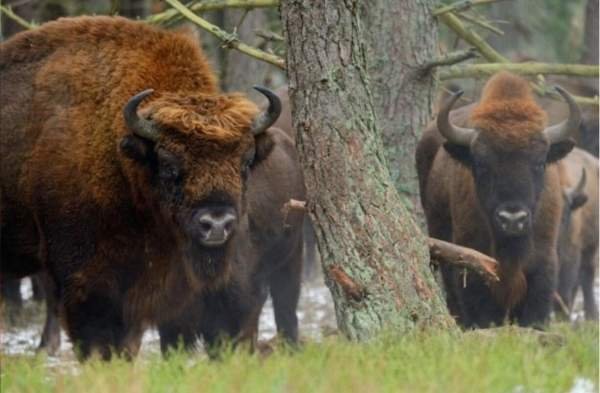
column 507, row 110
column 219, row 118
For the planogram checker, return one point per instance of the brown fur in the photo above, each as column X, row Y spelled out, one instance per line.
column 64, row 178
column 508, row 112
column 268, row 259
column 509, row 122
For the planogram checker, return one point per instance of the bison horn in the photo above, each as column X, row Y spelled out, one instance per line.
column 266, row 118
column 561, row 131
column 454, row 134
column 139, row 126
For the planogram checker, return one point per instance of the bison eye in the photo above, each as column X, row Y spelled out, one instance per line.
column 169, row 173
column 248, row 161
column 539, row 167
column 481, row 169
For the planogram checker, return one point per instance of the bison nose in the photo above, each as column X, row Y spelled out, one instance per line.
column 513, row 221
column 215, row 226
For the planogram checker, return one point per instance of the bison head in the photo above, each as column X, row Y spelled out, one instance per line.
column 194, row 154
column 508, row 150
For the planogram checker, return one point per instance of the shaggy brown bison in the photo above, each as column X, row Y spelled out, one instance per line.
column 268, row 259
column 578, row 237
column 122, row 172
column 493, row 187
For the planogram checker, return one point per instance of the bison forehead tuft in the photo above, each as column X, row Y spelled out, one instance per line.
column 221, row 119
column 507, row 111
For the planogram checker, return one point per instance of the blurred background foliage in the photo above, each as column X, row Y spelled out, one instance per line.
column 547, row 30
column 556, row 31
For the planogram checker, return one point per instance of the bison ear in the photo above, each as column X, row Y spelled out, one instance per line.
column 135, row 148
column 459, row 152
column 559, row 150
column 578, row 200
column 264, row 144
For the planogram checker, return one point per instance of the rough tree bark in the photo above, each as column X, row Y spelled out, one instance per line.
column 402, row 97
column 590, row 33
column 589, row 131
column 374, row 255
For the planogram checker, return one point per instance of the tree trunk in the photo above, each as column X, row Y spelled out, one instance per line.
column 590, row 34
column 375, row 257
column 589, row 127
column 402, row 98
column 135, row 9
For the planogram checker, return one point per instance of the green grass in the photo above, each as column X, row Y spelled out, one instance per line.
column 502, row 361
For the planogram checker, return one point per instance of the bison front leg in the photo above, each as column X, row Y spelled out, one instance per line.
column 95, row 325
column 285, row 292
column 535, row 308
column 567, row 285
column 179, row 333
column 231, row 316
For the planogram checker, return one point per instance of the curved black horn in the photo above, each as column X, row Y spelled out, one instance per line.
column 139, row 126
column 266, row 118
column 562, row 131
column 457, row 135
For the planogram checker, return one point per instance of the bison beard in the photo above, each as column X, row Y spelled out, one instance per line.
column 495, row 188
column 115, row 142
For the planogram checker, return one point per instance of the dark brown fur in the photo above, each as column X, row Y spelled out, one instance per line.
column 311, row 255
column 94, row 217
column 509, row 124
column 268, row 259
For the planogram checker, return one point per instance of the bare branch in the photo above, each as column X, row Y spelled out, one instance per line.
column 493, row 56
column 442, row 252
column 533, row 68
column 450, row 59
column 20, row 21
column 269, row 35
column 292, row 205
column 172, row 15
column 353, row 290
column 484, row 24
column 461, row 5
column 229, row 40
column 561, row 303
column 452, row 21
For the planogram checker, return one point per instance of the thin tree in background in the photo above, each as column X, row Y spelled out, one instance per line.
column 402, row 95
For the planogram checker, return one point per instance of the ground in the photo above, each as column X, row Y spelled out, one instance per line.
column 565, row 359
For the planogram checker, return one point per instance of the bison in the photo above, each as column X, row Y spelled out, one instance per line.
column 488, row 181
column 578, row 236
column 123, row 172
column 284, row 123
column 268, row 260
